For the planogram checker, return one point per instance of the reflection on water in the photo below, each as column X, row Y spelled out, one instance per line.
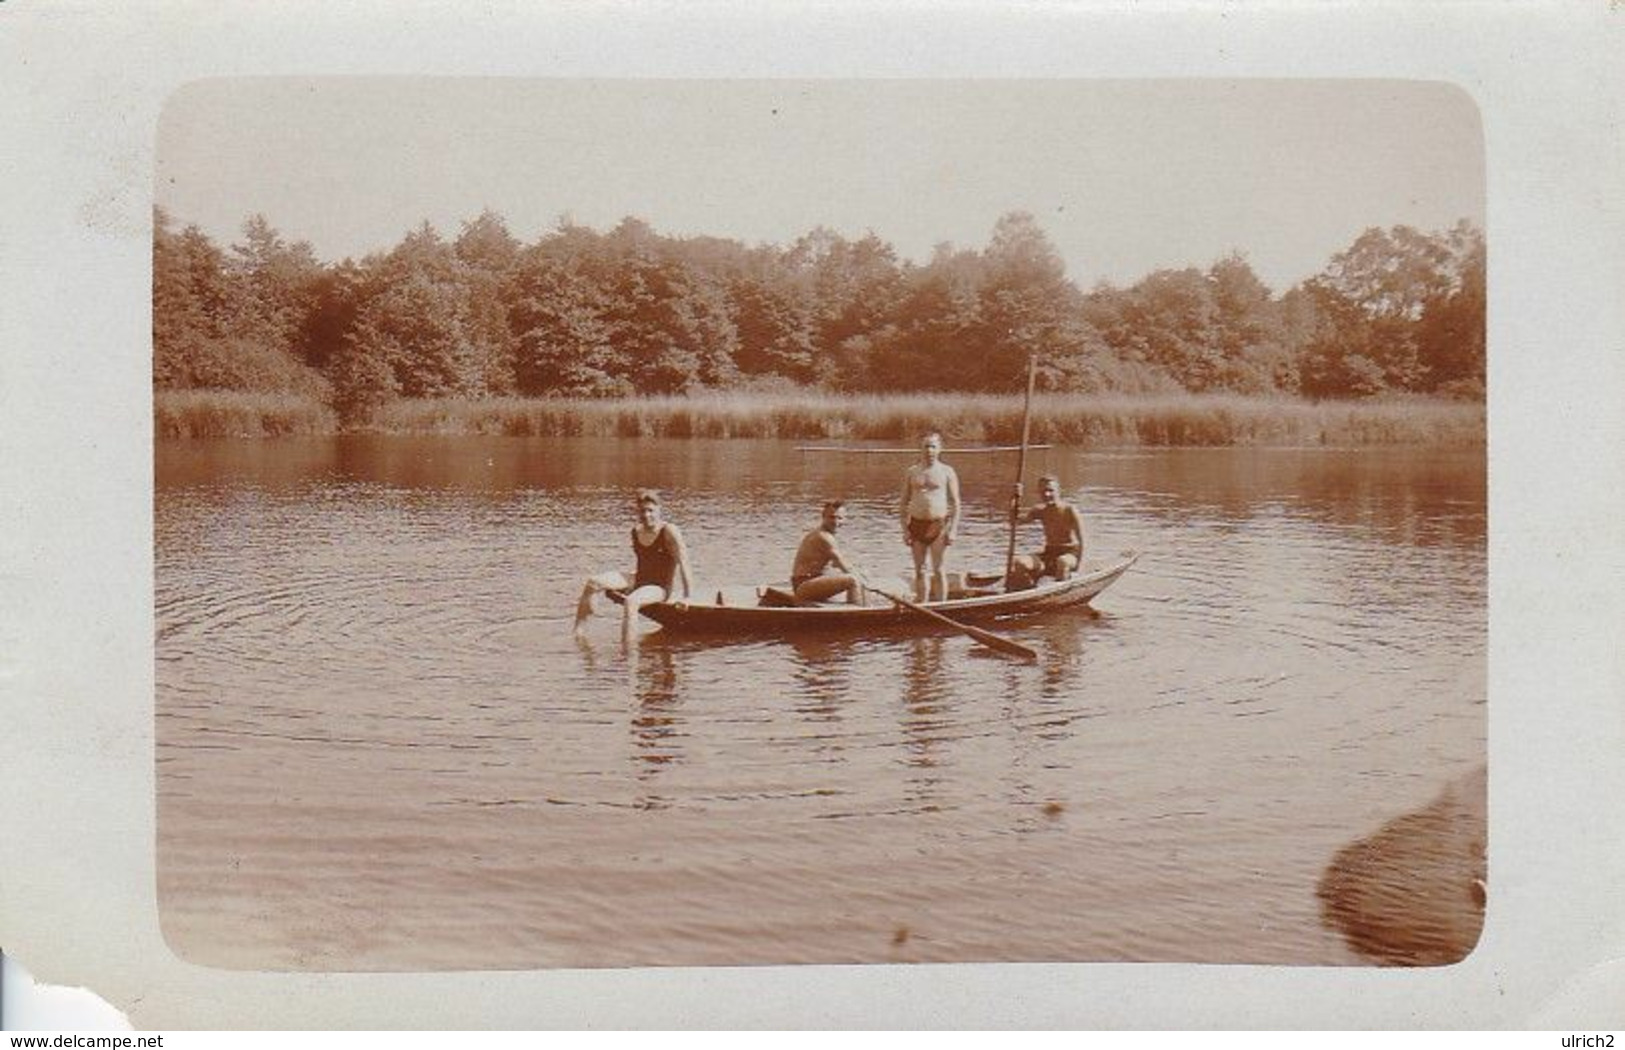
column 925, row 718
column 823, row 688
column 381, row 747
column 1062, row 659
column 657, row 730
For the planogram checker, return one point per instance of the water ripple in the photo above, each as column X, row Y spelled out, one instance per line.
column 370, row 703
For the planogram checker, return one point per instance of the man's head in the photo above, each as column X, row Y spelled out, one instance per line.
column 931, row 446
column 1049, row 489
column 648, row 505
column 834, row 514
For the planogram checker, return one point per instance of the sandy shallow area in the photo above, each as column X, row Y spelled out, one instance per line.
column 1413, row 893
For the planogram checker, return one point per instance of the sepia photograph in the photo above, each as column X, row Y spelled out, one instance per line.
column 606, row 523
column 811, row 517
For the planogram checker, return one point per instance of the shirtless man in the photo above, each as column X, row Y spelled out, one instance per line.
column 930, row 514
column 810, row 577
column 1063, row 536
column 662, row 562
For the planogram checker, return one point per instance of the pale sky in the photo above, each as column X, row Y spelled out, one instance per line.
column 1126, row 177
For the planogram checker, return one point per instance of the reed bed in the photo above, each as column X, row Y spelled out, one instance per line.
column 1099, row 420
column 1063, row 419
column 233, row 413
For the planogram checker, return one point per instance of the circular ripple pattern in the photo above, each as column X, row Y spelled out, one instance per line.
column 380, row 746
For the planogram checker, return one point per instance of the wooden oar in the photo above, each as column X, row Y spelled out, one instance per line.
column 987, row 638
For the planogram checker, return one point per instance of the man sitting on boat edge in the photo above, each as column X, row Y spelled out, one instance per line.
column 662, row 561
column 1063, row 538
column 810, row 575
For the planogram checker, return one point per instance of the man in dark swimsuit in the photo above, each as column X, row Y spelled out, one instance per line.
column 810, row 577
column 1063, row 537
column 662, row 562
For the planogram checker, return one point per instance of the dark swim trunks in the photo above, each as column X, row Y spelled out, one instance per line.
column 1052, row 558
column 926, row 531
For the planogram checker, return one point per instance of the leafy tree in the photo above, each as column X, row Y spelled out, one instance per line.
column 1253, row 355
column 1028, row 307
column 410, row 321
column 1390, row 274
column 1344, row 353
column 415, row 327
column 489, row 254
column 190, row 302
column 335, row 298
column 1169, row 321
column 671, row 323
column 775, row 314
column 274, row 285
column 934, row 323
column 856, row 287
column 558, row 313
column 1376, row 292
column 206, row 331
column 626, row 311
column 363, row 380
column 776, row 322
column 564, row 339
column 1299, row 319
column 1451, row 332
column 486, row 245
column 630, row 311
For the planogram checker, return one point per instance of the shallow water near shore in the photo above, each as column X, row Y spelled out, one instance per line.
column 379, row 746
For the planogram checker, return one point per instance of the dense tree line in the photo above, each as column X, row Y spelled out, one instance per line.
column 586, row 314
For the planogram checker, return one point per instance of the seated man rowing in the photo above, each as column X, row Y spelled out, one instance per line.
column 810, row 576
column 1063, row 538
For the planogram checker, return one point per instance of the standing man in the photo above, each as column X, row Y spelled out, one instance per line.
column 662, row 561
column 1063, row 536
column 810, row 577
column 930, row 514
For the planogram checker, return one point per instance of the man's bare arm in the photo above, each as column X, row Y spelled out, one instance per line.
column 684, row 572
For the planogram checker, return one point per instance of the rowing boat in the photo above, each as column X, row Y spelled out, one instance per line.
column 976, row 600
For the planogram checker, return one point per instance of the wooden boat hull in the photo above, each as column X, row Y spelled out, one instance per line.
column 882, row 617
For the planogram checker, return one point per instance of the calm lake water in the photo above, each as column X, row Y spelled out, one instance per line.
column 379, row 746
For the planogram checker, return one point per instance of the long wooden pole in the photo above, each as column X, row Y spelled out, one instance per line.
column 1021, row 471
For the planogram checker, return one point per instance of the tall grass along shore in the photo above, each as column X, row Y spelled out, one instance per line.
column 232, row 413
column 1107, row 420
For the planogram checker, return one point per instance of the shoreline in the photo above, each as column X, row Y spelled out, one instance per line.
column 1088, row 421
